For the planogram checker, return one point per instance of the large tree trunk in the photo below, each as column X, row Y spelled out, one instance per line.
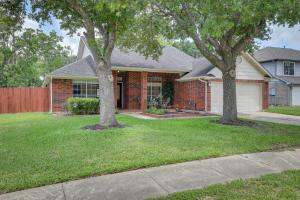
column 106, row 97
column 229, row 93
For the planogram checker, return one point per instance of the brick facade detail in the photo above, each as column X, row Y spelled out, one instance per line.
column 62, row 89
column 187, row 95
column 144, row 90
column 190, row 95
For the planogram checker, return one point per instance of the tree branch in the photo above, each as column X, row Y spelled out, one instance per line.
column 246, row 39
column 194, row 35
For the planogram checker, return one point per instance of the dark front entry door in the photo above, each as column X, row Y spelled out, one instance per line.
column 120, row 95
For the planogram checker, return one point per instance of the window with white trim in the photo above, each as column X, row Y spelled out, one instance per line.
column 154, row 90
column 272, row 91
column 288, row 68
column 85, row 89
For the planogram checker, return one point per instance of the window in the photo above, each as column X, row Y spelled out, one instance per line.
column 288, row 68
column 154, row 90
column 85, row 89
column 272, row 91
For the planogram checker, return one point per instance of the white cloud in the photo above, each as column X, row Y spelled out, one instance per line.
column 283, row 36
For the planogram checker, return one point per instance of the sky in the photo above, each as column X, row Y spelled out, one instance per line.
column 280, row 36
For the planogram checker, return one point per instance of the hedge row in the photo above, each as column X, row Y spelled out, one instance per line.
column 83, row 106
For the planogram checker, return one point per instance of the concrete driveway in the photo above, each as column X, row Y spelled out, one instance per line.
column 272, row 117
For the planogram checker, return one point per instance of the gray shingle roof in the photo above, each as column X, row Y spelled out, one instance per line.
column 273, row 53
column 201, row 67
column 171, row 59
column 294, row 80
column 82, row 68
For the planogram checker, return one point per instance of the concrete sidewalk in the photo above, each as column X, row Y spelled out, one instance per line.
column 158, row 181
column 272, row 117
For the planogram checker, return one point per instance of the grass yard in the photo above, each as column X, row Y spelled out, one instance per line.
column 287, row 110
column 275, row 186
column 38, row 149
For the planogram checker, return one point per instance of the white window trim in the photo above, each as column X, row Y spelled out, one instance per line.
column 293, row 67
column 86, row 88
column 151, row 84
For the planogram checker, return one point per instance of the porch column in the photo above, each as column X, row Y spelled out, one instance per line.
column 115, row 78
column 144, row 88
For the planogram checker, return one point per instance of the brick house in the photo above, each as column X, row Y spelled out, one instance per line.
column 197, row 84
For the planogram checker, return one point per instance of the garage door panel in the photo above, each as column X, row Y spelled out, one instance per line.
column 296, row 96
column 248, row 97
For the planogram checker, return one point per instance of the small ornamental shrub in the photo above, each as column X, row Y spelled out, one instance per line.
column 156, row 111
column 83, row 106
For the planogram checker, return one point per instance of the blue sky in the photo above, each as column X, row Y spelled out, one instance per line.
column 280, row 36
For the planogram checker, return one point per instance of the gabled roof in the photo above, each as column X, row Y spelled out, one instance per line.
column 84, row 67
column 274, row 53
column 171, row 60
column 202, row 67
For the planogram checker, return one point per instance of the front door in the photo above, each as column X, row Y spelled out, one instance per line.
column 120, row 95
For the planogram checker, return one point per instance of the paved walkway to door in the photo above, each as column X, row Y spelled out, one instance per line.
column 159, row 181
column 272, row 117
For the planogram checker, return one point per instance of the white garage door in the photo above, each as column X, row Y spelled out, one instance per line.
column 248, row 97
column 296, row 96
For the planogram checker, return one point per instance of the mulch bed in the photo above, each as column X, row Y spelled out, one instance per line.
column 174, row 115
column 97, row 127
column 236, row 123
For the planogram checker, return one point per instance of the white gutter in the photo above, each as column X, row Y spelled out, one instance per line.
column 51, row 95
column 196, row 78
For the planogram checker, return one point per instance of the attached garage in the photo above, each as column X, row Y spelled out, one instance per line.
column 296, row 96
column 252, row 86
column 249, row 97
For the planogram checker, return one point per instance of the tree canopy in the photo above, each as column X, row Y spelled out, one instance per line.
column 36, row 54
column 221, row 30
column 105, row 23
column 187, row 47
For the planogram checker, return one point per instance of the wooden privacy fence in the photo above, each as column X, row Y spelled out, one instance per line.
column 13, row 100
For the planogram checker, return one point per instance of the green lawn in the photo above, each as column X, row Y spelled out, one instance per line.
column 287, row 110
column 275, row 186
column 38, row 149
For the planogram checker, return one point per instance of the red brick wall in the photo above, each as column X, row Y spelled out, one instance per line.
column 144, row 91
column 132, row 86
column 61, row 90
column 133, row 90
column 190, row 95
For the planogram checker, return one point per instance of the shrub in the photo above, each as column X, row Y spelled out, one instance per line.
column 156, row 111
column 83, row 106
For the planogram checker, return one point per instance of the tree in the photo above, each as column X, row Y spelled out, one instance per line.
column 35, row 55
column 102, row 19
column 12, row 14
column 221, row 30
column 187, row 47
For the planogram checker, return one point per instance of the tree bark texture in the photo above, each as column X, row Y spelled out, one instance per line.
column 106, row 97
column 229, row 93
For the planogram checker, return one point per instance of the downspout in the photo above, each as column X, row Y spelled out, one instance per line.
column 205, row 98
column 51, row 95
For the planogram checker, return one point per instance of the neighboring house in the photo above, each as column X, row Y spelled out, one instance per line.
column 197, row 84
column 284, row 65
